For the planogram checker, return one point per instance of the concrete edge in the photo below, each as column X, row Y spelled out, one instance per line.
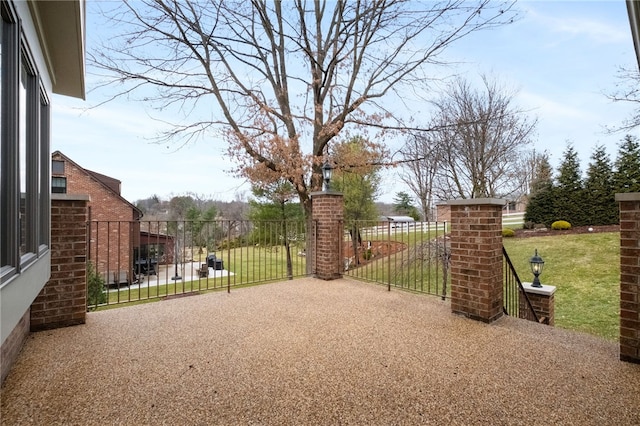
column 628, row 196
column 71, row 197
column 477, row 201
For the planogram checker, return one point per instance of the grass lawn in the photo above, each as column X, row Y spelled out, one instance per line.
column 250, row 265
column 585, row 268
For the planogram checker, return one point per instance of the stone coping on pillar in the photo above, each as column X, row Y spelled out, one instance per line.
column 71, row 197
column 477, row 202
column 330, row 192
column 628, row 196
column 545, row 290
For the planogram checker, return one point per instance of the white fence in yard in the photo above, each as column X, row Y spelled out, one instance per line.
column 510, row 220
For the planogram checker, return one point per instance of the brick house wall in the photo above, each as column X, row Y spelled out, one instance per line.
column 114, row 232
column 12, row 346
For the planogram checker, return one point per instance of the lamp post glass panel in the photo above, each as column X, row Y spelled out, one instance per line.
column 327, row 171
column 536, row 263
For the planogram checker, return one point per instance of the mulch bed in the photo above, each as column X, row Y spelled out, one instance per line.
column 524, row 233
column 378, row 249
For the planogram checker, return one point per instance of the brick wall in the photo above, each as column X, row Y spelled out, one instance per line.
column 476, row 258
column 62, row 301
column 328, row 214
column 629, row 276
column 112, row 243
column 13, row 345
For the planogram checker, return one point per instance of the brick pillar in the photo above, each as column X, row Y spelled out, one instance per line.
column 476, row 258
column 629, row 276
column 542, row 300
column 63, row 300
column 327, row 213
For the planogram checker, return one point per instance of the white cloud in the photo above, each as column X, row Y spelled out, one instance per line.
column 577, row 23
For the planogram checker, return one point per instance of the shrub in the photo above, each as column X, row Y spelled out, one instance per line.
column 95, row 287
column 560, row 225
column 508, row 232
column 367, row 255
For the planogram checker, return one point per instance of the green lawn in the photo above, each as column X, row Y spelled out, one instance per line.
column 250, row 265
column 585, row 268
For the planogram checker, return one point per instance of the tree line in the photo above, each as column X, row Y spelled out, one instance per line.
column 589, row 199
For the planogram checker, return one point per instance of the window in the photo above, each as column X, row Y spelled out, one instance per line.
column 57, row 167
column 45, row 176
column 29, row 137
column 24, row 152
column 22, row 155
column 58, row 185
column 9, row 190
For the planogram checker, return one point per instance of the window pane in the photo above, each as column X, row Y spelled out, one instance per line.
column 58, row 185
column 45, row 175
column 22, row 162
column 57, row 167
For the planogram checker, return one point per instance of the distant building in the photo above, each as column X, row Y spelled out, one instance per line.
column 115, row 229
column 400, row 219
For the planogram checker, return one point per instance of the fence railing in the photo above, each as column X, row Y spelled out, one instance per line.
column 513, row 219
column 408, row 255
column 516, row 302
column 138, row 260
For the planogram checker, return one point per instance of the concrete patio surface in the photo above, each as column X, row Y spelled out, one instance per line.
column 315, row 352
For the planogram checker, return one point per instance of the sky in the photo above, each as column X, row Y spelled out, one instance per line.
column 561, row 57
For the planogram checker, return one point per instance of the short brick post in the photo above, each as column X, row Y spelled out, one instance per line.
column 327, row 213
column 542, row 300
column 63, row 300
column 629, row 276
column 476, row 258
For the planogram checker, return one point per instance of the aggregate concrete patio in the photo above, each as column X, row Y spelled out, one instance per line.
column 316, row 352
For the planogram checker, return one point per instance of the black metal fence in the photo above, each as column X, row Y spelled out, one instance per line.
column 139, row 260
column 409, row 255
column 516, row 302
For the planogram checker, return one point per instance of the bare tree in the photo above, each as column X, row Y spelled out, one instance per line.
column 280, row 80
column 420, row 163
column 480, row 140
column 627, row 90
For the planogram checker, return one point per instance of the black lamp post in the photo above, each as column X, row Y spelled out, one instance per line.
column 327, row 171
column 536, row 263
column 176, row 247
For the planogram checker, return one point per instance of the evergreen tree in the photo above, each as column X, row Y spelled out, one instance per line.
column 272, row 216
column 403, row 205
column 626, row 177
column 358, row 183
column 600, row 198
column 541, row 205
column 569, row 194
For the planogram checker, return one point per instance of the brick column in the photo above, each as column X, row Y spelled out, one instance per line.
column 629, row 276
column 542, row 300
column 476, row 258
column 63, row 300
column 327, row 213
